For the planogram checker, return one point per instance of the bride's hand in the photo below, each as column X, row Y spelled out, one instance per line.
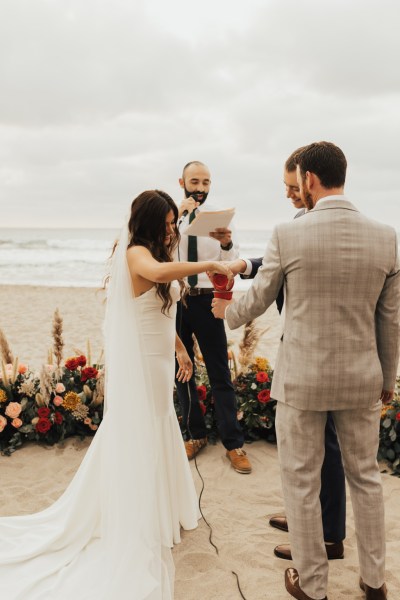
column 222, row 268
column 185, row 370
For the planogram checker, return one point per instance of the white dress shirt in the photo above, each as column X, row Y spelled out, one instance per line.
column 207, row 247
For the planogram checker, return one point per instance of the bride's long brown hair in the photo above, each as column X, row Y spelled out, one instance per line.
column 147, row 228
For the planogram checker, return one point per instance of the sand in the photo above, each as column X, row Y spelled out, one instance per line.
column 236, row 506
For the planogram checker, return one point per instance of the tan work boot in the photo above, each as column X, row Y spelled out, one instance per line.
column 239, row 460
column 193, row 447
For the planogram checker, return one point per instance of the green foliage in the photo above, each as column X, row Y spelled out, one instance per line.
column 256, row 417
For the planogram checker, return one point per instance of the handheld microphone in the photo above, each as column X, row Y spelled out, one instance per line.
column 184, row 214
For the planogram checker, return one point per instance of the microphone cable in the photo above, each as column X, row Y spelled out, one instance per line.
column 193, row 440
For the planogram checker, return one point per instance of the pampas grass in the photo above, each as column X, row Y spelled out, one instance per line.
column 248, row 344
column 57, row 337
column 5, row 350
column 46, row 385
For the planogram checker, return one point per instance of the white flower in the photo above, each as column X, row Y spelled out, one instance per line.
column 253, row 386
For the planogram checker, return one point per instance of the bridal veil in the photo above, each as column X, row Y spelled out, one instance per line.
column 101, row 539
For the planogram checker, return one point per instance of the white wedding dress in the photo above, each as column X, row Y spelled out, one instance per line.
column 109, row 535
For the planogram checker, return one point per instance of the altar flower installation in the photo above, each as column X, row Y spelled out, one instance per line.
column 66, row 397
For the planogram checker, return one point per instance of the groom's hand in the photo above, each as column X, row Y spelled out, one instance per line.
column 237, row 266
column 387, row 396
column 219, row 307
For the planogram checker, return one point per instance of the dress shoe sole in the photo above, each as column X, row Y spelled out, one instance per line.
column 285, row 556
column 241, row 471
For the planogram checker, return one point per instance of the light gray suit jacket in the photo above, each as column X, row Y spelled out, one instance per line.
column 340, row 270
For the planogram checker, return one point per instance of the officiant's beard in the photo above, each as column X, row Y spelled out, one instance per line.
column 195, row 195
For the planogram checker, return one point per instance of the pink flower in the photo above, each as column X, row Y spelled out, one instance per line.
column 22, row 369
column 57, row 401
column 87, row 421
column 60, row 388
column 50, row 368
column 3, row 423
column 13, row 410
column 16, row 423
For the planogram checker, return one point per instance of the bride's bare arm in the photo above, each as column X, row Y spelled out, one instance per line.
column 142, row 263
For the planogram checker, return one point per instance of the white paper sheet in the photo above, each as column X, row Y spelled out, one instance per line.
column 207, row 221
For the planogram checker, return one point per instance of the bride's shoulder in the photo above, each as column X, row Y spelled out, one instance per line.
column 136, row 251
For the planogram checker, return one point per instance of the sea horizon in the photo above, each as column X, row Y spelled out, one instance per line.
column 77, row 257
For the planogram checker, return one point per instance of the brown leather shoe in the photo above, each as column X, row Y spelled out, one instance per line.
column 239, row 460
column 333, row 551
column 374, row 593
column 293, row 586
column 193, row 447
column 279, row 522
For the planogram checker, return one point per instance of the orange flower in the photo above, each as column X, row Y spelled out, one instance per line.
column 262, row 377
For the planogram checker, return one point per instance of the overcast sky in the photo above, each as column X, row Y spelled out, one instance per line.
column 100, row 100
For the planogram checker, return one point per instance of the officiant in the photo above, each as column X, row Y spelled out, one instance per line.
column 196, row 318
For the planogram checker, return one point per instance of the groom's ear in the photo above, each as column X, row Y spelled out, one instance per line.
column 181, row 182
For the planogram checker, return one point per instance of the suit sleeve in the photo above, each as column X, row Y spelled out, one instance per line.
column 264, row 290
column 256, row 264
column 387, row 322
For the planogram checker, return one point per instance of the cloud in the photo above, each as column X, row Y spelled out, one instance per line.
column 102, row 100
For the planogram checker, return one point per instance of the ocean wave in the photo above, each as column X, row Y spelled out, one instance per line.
column 55, row 244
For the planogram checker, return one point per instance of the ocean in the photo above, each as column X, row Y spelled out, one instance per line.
column 78, row 257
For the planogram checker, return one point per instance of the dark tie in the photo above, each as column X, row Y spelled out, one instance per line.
column 192, row 252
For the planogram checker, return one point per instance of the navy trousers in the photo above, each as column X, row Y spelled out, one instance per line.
column 210, row 333
column 333, row 491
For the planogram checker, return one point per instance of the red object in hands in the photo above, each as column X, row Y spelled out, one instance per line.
column 222, row 286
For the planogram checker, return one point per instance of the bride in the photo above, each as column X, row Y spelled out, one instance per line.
column 110, row 534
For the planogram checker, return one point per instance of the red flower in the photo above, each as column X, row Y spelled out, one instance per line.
column 58, row 418
column 262, row 377
column 72, row 364
column 203, row 407
column 202, row 392
column 264, row 396
column 43, row 425
column 43, row 412
column 81, row 360
column 88, row 373
column 398, row 416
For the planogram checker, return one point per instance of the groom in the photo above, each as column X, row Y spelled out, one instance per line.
column 333, row 492
column 339, row 353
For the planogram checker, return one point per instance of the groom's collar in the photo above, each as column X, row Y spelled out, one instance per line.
column 336, row 201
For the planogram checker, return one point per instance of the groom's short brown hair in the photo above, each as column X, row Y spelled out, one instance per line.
column 326, row 160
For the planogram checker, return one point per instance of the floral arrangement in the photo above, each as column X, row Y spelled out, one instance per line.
column 252, row 379
column 389, row 434
column 256, row 410
column 64, row 399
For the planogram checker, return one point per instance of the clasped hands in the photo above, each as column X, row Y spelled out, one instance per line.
column 232, row 268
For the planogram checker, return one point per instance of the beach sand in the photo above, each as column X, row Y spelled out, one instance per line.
column 236, row 506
